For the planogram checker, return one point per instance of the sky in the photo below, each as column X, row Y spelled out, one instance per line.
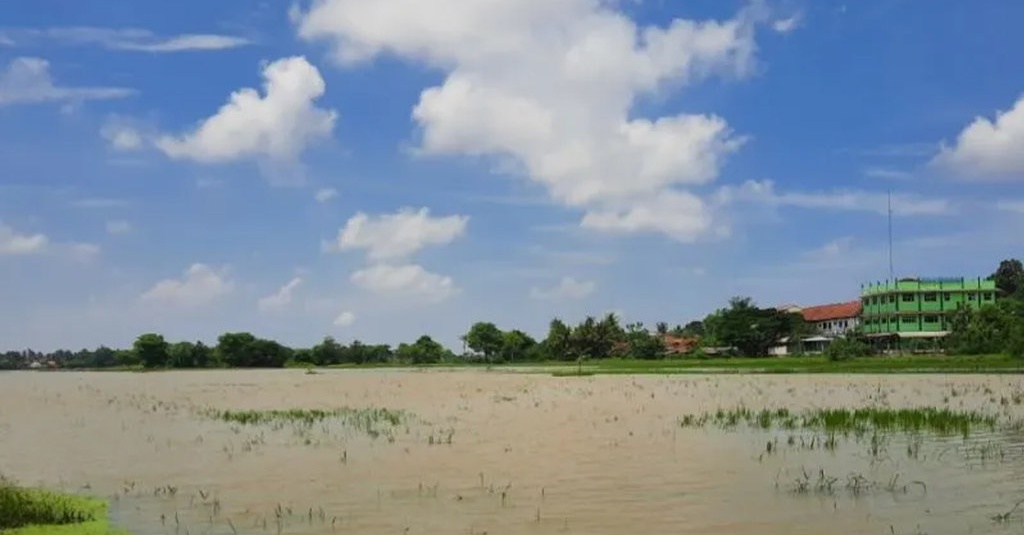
column 377, row 171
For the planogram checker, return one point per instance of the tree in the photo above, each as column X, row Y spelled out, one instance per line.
column 516, row 345
column 694, row 328
column 265, row 353
column 749, row 329
column 151, row 349
column 233, row 349
column 662, row 328
column 558, row 342
column 424, row 351
column 641, row 344
column 328, row 352
column 182, row 355
column 486, row 338
column 1009, row 278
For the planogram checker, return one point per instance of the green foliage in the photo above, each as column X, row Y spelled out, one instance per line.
column 37, row 511
column 642, row 344
column 486, row 338
column 846, row 348
column 940, row 421
column 517, row 346
column 152, row 350
column 559, row 341
column 1009, row 278
column 424, row 351
column 751, row 330
column 990, row 329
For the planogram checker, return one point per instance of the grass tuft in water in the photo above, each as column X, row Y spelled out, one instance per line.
column 26, row 511
column 940, row 421
column 371, row 421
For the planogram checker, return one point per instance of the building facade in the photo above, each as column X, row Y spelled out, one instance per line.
column 919, row 308
column 835, row 319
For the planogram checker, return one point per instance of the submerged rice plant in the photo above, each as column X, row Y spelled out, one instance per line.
column 369, row 420
column 942, row 421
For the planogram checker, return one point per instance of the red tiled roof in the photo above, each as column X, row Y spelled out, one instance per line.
column 680, row 344
column 832, row 312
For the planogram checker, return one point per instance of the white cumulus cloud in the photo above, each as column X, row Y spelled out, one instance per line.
column 281, row 298
column 276, row 126
column 551, row 84
column 567, row 288
column 199, row 285
column 345, row 319
column 988, row 149
column 13, row 243
column 323, row 195
column 398, row 235
column 28, row 81
column 409, row 281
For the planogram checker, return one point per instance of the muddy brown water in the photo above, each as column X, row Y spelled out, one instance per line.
column 528, row 454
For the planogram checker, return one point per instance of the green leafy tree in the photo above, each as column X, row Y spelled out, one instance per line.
column 265, row 353
column 234, row 349
column 151, row 349
column 516, row 346
column 558, row 343
column 328, row 352
column 1009, row 278
column 424, row 351
column 182, row 355
column 751, row 330
column 486, row 338
column 641, row 344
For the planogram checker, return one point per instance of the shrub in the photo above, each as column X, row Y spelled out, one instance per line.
column 847, row 348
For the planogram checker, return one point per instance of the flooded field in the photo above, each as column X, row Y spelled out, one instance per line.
column 472, row 452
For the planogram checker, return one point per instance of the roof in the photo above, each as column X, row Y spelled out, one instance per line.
column 680, row 344
column 834, row 311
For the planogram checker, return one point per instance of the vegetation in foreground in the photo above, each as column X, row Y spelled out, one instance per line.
column 26, row 511
column 740, row 329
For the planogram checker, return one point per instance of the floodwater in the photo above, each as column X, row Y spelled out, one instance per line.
column 503, row 453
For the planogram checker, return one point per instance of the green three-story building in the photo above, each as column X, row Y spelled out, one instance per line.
column 919, row 308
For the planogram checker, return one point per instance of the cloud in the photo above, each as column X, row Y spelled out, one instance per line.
column 345, row 319
column 274, row 127
column 788, row 24
column 13, row 243
column 118, row 227
column 903, row 204
column 100, row 202
column 323, row 195
column 567, row 288
column 83, row 252
column 399, row 235
column 1011, row 206
column 887, row 174
column 131, row 39
column 410, row 281
column 121, row 135
column 551, row 86
column 281, row 298
column 28, row 81
column 200, row 285
column 988, row 149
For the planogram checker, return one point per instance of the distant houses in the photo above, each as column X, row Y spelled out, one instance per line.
column 827, row 323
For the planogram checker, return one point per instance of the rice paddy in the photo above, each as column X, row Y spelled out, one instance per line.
column 26, row 511
column 471, row 451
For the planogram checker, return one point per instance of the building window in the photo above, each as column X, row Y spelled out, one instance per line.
column 908, row 298
column 970, row 297
column 892, row 298
column 947, row 296
column 931, row 319
column 931, row 297
column 987, row 296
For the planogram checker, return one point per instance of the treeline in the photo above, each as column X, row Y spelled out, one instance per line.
column 744, row 326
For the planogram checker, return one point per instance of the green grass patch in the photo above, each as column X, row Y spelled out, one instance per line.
column 810, row 364
column 371, row 421
column 25, row 511
column 939, row 421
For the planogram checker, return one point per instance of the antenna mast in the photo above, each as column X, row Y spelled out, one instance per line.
column 892, row 275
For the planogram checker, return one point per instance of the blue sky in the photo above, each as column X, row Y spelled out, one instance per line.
column 378, row 171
